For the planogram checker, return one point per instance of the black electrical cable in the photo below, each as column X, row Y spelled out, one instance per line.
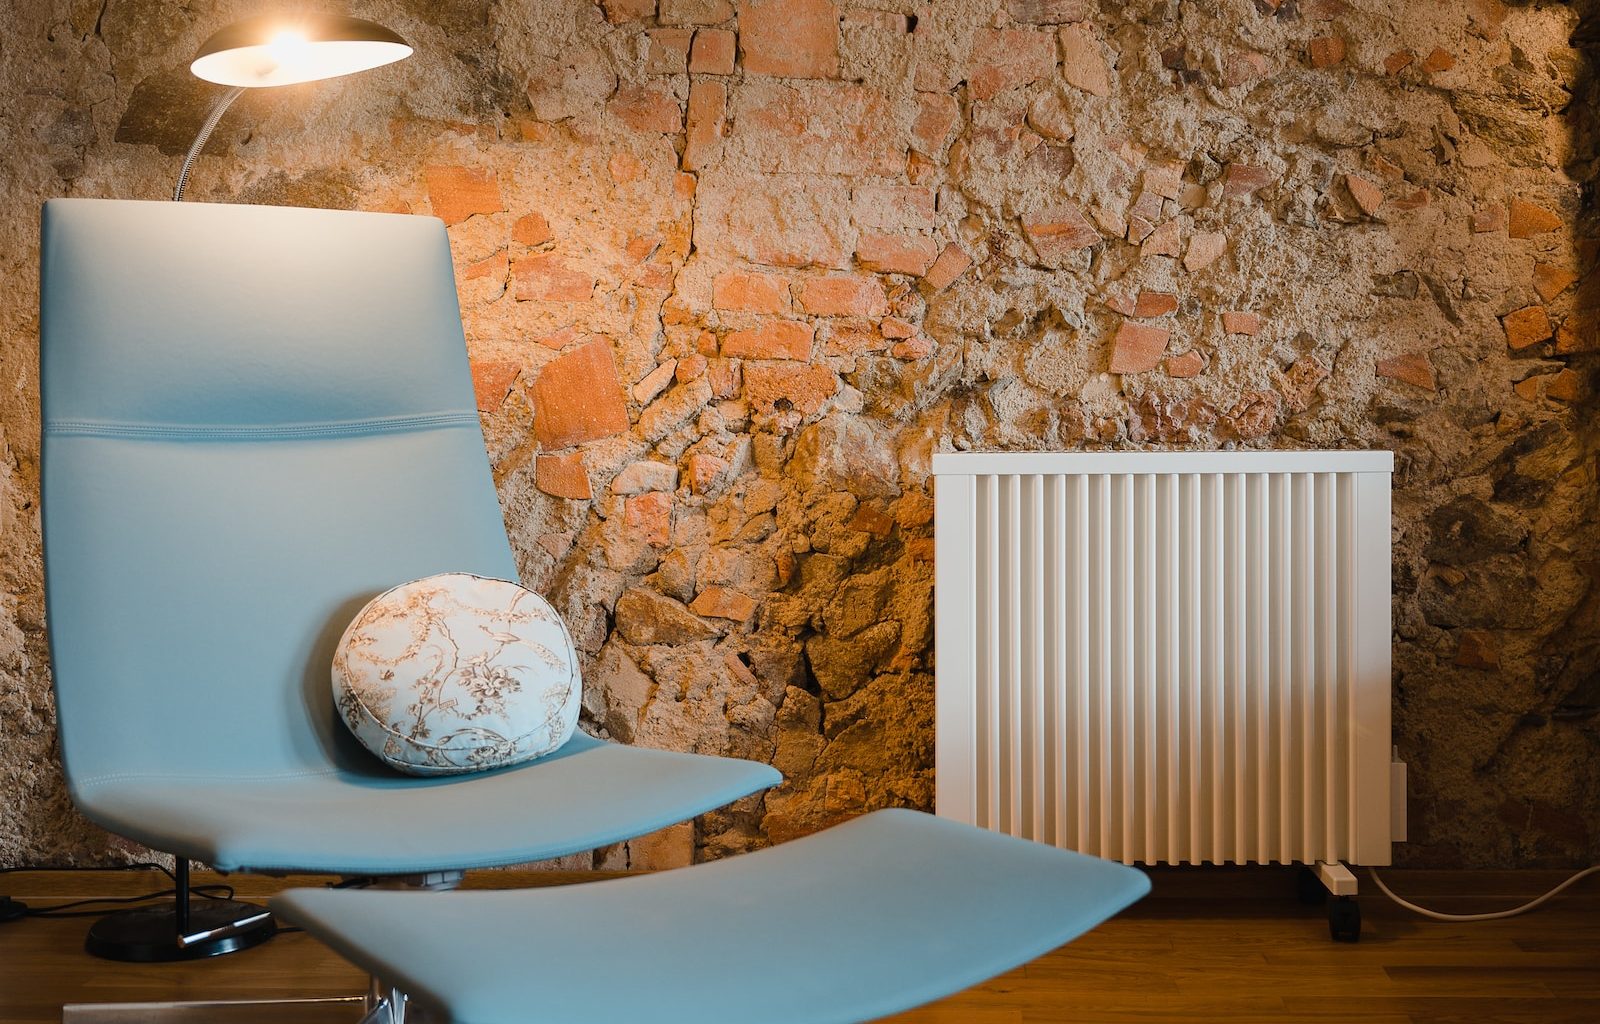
column 12, row 910
column 69, row 909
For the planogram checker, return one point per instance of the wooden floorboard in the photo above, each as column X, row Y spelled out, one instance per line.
column 1247, row 953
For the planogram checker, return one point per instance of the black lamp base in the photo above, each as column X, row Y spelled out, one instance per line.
column 150, row 934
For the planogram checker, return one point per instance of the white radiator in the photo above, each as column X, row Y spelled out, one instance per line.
column 1168, row 657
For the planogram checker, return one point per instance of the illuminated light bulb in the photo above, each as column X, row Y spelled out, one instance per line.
column 289, row 49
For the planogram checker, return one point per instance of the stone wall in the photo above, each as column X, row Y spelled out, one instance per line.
column 732, row 270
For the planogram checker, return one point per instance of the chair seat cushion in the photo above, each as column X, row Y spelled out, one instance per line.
column 875, row 916
column 368, row 820
column 457, row 673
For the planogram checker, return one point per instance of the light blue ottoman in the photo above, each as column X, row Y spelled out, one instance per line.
column 872, row 917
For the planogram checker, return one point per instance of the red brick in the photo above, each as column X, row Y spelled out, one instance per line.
column 1243, row 68
column 1527, row 326
column 618, row 11
column 1476, row 648
column 708, row 105
column 1439, row 60
column 1550, row 280
column 1241, row 323
column 1155, row 304
column 750, row 292
column 893, row 327
column 704, row 471
column 457, row 193
column 1490, row 218
column 937, row 114
column 1566, row 386
column 1164, row 179
column 1205, row 248
column 690, row 368
column 1528, row 219
column 1083, row 62
column 647, row 108
column 1121, row 303
column 1004, row 59
column 716, row 602
column 843, row 296
column 563, row 476
column 713, row 53
column 1528, row 389
column 1059, row 231
column 724, row 377
column 1187, row 364
column 1326, row 51
column 951, row 264
column 578, row 397
column 790, row 38
column 543, row 276
column 803, row 386
column 492, row 380
column 531, row 229
column 649, row 517
column 1138, row 347
column 1415, row 201
column 1147, row 207
column 913, row 349
column 494, row 267
column 896, row 254
column 776, row 339
column 1413, row 368
column 1367, row 195
column 1244, row 180
column 850, row 336
column 1569, row 340
column 1163, row 241
column 669, row 51
column 1398, row 61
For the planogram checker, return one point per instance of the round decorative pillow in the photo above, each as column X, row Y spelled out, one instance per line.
column 457, row 673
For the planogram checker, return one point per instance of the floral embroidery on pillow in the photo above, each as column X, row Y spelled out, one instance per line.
column 457, row 673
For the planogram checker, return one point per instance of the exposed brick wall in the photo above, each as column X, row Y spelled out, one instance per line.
column 732, row 270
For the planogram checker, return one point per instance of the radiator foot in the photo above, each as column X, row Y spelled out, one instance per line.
column 1344, row 919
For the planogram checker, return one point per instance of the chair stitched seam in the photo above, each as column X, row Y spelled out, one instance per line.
column 95, row 780
column 258, row 431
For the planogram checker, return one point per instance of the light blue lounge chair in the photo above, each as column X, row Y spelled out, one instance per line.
column 254, row 420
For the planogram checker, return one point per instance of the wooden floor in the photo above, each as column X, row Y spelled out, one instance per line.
column 1246, row 953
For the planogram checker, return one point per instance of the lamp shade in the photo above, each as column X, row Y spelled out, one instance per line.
column 285, row 50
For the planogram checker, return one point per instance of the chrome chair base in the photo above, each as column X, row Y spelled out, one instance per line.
column 333, row 1010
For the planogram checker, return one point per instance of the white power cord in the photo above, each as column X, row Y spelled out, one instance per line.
column 1495, row 916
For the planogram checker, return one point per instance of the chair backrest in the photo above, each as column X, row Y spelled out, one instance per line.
column 255, row 419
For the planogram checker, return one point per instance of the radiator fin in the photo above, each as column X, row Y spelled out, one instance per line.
column 1163, row 663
